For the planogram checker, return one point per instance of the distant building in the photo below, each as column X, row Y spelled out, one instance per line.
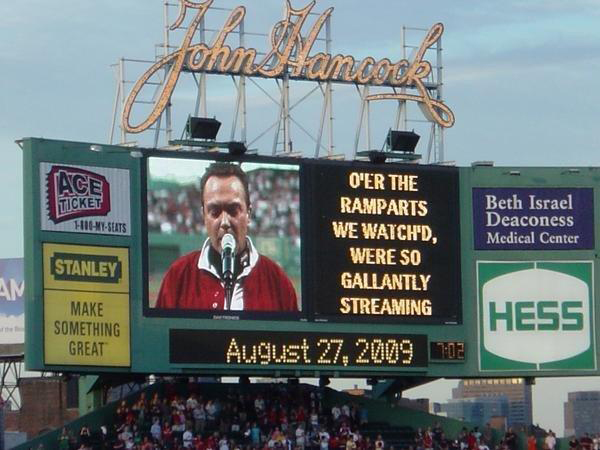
column 581, row 413
column 483, row 399
column 479, row 410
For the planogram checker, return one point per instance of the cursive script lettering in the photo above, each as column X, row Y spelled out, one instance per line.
column 290, row 55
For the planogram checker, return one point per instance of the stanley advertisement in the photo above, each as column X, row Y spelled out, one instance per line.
column 86, row 305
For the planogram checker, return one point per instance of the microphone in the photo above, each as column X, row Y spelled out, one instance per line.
column 227, row 260
column 228, row 245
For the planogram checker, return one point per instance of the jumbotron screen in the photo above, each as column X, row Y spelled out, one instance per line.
column 191, row 205
column 312, row 241
column 189, row 262
column 184, row 261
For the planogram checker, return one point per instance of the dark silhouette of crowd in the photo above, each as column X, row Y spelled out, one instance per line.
column 271, row 417
column 274, row 196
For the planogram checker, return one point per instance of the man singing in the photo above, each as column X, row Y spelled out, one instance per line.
column 206, row 279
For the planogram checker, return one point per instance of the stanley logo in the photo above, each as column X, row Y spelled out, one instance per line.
column 88, row 268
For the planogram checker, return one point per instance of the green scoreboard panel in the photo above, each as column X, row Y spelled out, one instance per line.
column 150, row 261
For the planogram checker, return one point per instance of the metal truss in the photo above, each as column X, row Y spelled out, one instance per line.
column 11, row 368
column 288, row 127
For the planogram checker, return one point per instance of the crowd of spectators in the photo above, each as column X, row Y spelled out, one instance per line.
column 277, row 417
column 586, row 442
column 274, row 197
column 435, row 438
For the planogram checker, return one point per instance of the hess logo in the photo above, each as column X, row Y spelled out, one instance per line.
column 74, row 192
column 536, row 316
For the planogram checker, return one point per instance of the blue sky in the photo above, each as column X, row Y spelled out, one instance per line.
column 520, row 76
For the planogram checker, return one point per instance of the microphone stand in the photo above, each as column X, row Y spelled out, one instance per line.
column 228, row 279
column 227, row 265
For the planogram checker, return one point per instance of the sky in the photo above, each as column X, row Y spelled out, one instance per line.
column 520, row 76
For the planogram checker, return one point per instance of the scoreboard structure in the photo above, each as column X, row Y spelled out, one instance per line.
column 397, row 269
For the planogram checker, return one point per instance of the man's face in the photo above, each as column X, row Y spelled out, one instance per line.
column 225, row 210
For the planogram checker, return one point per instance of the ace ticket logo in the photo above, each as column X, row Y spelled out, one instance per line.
column 74, row 192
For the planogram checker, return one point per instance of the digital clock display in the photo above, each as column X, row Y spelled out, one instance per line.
column 252, row 348
column 447, row 350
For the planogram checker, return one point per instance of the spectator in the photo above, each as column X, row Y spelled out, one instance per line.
column 510, row 439
column 188, row 438
column 64, row 440
column 336, row 412
column 437, row 431
column 488, row 433
column 224, row 443
column 85, row 436
column 255, row 435
column 573, row 443
column 531, row 442
column 419, row 437
column 550, row 440
column 443, row 443
column 428, row 439
column 472, row 443
column 363, row 415
column 155, row 430
column 146, row 444
column 324, row 440
column 379, row 443
column 586, row 442
column 300, row 437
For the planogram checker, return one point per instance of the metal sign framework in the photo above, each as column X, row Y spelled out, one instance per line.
column 287, row 123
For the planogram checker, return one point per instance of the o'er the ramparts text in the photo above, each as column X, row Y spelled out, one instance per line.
column 402, row 286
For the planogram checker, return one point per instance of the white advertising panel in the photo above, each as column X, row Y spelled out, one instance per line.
column 84, row 199
column 536, row 315
column 12, row 287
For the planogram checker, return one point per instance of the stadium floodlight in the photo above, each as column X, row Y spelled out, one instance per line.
column 236, row 148
column 202, row 128
column 398, row 145
column 402, row 141
column 375, row 156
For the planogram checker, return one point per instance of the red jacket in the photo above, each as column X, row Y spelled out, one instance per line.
column 266, row 288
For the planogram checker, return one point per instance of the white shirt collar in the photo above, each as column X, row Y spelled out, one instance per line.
column 237, row 301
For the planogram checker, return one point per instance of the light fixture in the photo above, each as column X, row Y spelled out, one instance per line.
column 398, row 145
column 402, row 141
column 236, row 148
column 375, row 156
column 134, row 152
column 202, row 128
column 200, row 133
